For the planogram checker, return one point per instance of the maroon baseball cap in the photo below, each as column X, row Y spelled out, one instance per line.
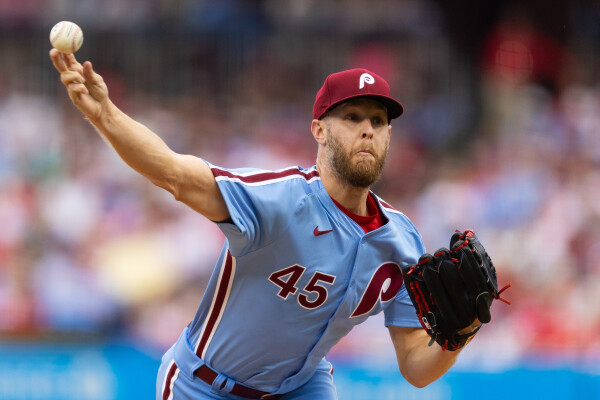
column 353, row 83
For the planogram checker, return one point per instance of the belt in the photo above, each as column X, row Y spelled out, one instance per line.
column 208, row 376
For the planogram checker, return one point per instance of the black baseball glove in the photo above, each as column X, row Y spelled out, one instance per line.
column 451, row 289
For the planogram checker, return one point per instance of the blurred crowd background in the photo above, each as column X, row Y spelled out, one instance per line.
column 501, row 133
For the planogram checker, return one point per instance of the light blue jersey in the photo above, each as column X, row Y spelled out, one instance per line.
column 294, row 276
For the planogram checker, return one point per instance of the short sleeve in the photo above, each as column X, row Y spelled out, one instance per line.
column 259, row 203
column 401, row 312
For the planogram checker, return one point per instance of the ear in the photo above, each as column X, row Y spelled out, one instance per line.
column 317, row 127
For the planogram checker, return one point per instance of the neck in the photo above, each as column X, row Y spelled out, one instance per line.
column 353, row 198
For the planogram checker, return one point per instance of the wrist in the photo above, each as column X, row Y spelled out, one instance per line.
column 106, row 115
column 474, row 327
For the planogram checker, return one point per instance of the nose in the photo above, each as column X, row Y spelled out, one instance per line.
column 367, row 129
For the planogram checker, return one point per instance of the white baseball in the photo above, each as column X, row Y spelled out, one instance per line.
column 66, row 37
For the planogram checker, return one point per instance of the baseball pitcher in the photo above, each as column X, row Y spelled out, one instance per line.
column 309, row 253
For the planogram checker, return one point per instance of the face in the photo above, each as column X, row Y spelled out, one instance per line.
column 357, row 137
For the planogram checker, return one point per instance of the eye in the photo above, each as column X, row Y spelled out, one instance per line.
column 352, row 117
column 379, row 121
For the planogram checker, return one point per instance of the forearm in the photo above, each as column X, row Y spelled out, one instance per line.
column 188, row 178
column 426, row 364
column 419, row 363
column 137, row 145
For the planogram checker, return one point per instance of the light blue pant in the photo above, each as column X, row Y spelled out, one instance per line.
column 184, row 387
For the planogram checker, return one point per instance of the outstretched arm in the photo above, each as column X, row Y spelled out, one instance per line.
column 188, row 178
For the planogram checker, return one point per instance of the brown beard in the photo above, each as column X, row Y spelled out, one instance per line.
column 361, row 175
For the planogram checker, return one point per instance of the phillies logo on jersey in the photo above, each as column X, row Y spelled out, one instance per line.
column 384, row 286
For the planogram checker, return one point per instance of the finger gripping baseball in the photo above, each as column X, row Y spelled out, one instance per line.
column 452, row 289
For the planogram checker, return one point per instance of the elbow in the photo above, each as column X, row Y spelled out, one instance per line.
column 167, row 174
column 164, row 184
column 417, row 381
column 419, row 384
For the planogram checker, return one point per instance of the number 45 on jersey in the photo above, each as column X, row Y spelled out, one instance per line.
column 383, row 286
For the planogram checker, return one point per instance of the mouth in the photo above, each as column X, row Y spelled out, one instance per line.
column 364, row 152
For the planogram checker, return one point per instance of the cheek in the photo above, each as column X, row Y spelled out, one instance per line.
column 337, row 142
column 382, row 144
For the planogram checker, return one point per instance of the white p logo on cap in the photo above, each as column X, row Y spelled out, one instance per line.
column 365, row 78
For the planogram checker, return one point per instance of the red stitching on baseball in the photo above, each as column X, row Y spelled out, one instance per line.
column 57, row 34
column 73, row 44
